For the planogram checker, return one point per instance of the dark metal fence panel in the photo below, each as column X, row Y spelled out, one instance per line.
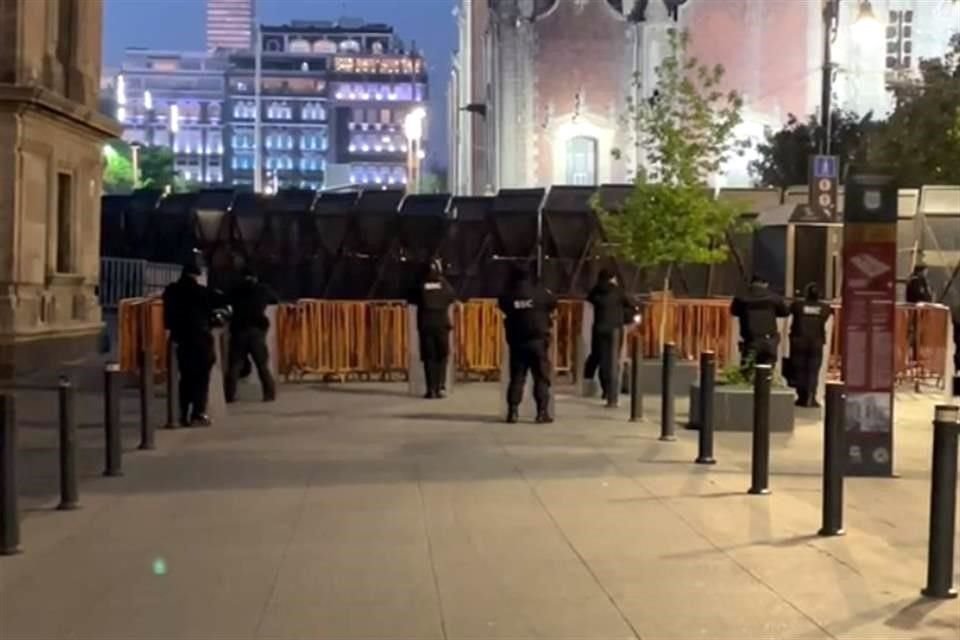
column 122, row 278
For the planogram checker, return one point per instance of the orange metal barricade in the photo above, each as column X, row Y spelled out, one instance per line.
column 342, row 339
column 693, row 325
column 478, row 339
column 136, row 319
column 925, row 364
column 348, row 339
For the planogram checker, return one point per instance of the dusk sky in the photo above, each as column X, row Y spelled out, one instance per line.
column 179, row 24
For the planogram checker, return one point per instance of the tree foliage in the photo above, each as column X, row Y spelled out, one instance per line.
column 784, row 157
column 157, row 168
column 920, row 142
column 117, row 169
column 687, row 132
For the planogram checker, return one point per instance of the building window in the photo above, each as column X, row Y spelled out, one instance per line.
column 64, row 223
column 582, row 161
column 900, row 41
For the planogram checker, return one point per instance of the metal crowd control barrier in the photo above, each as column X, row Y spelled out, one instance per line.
column 124, row 278
column 342, row 339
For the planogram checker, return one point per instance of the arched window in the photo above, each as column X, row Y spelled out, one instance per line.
column 581, row 156
column 299, row 45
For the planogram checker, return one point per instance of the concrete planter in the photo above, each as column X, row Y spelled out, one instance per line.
column 685, row 373
column 733, row 408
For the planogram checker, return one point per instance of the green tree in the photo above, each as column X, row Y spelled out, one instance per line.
column 687, row 132
column 785, row 154
column 156, row 168
column 434, row 181
column 920, row 142
column 117, row 168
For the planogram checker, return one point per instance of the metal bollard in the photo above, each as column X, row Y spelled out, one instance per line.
column 760, row 465
column 9, row 514
column 636, row 398
column 68, row 447
column 111, row 421
column 667, row 427
column 146, row 399
column 615, row 385
column 172, row 385
column 708, row 368
column 943, row 503
column 833, row 438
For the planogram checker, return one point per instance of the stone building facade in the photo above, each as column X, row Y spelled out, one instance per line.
column 542, row 85
column 553, row 77
column 51, row 139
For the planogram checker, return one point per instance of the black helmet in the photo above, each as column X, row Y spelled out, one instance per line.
column 520, row 272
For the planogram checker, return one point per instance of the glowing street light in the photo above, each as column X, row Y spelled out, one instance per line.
column 413, row 130
column 866, row 30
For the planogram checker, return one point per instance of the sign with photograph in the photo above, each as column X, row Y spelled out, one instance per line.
column 868, row 316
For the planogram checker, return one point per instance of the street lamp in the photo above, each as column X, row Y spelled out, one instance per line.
column 865, row 29
column 174, row 130
column 135, row 159
column 148, row 107
column 413, row 130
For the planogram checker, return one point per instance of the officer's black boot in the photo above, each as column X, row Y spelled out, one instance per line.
column 513, row 414
column 543, row 415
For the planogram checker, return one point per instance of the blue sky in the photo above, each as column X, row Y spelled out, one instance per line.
column 179, row 24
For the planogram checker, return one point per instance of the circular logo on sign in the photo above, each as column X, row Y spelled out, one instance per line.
column 825, row 185
column 825, row 200
column 881, row 455
column 871, row 200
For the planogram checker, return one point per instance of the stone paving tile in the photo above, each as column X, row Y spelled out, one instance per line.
column 359, row 512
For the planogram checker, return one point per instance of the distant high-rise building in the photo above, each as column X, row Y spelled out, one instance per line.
column 230, row 24
column 334, row 100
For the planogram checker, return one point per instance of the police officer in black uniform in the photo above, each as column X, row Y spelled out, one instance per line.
column 758, row 311
column 807, row 338
column 527, row 309
column 190, row 312
column 248, row 335
column 918, row 289
column 433, row 297
column 612, row 309
column 918, row 292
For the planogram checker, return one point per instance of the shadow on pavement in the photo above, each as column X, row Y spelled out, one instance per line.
column 452, row 417
column 912, row 616
column 334, row 388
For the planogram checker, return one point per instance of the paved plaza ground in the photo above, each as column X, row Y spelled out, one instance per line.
column 358, row 512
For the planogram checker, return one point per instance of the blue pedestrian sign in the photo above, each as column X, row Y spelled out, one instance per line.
column 826, row 167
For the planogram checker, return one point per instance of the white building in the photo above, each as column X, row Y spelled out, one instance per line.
column 547, row 80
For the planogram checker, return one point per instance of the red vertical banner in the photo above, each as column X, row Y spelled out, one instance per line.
column 869, row 313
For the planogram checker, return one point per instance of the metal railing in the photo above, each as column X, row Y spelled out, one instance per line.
column 122, row 278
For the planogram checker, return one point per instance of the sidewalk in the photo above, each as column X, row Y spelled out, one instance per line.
column 358, row 512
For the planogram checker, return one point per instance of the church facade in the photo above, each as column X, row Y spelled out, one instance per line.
column 51, row 140
column 539, row 87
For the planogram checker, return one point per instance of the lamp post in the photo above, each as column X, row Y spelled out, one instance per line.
column 864, row 29
column 148, row 107
column 174, row 130
column 135, row 159
column 413, row 129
